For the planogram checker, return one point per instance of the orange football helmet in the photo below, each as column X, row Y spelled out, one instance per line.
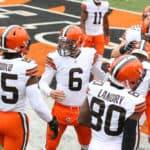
column 126, row 71
column 70, row 38
column 15, row 39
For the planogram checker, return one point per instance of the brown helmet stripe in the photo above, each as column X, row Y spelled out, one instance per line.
column 65, row 30
column 120, row 64
column 5, row 33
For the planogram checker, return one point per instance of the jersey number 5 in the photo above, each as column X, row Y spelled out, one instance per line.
column 4, row 78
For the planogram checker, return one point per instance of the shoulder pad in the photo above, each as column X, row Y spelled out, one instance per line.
column 28, row 60
column 105, row 3
column 95, row 83
column 53, row 54
column 137, row 100
column 31, row 67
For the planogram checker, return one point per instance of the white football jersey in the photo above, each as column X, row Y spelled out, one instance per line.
column 133, row 33
column 94, row 21
column 14, row 74
column 110, row 107
column 72, row 74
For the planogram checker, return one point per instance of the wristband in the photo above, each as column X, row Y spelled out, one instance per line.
column 122, row 50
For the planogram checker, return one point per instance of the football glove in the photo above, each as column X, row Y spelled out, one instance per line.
column 54, row 126
column 105, row 67
column 128, row 47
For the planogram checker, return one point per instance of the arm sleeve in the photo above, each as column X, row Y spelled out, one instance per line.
column 129, row 134
column 37, row 103
column 46, row 79
column 148, row 110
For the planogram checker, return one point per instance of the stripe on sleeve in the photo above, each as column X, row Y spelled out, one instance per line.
column 141, row 107
column 50, row 62
column 32, row 72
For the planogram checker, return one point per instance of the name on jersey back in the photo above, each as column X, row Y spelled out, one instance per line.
column 111, row 97
column 6, row 67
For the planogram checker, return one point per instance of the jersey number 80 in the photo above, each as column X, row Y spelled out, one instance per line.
column 108, row 117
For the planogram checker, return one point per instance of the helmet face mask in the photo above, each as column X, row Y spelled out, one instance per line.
column 66, row 46
column 69, row 41
column 25, row 47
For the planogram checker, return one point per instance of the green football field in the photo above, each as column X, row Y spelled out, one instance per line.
column 133, row 5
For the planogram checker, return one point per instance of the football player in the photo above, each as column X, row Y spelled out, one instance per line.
column 18, row 83
column 142, row 53
column 95, row 24
column 131, row 37
column 112, row 109
column 133, row 34
column 72, row 65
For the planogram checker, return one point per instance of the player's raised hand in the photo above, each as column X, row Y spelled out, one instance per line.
column 128, row 47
